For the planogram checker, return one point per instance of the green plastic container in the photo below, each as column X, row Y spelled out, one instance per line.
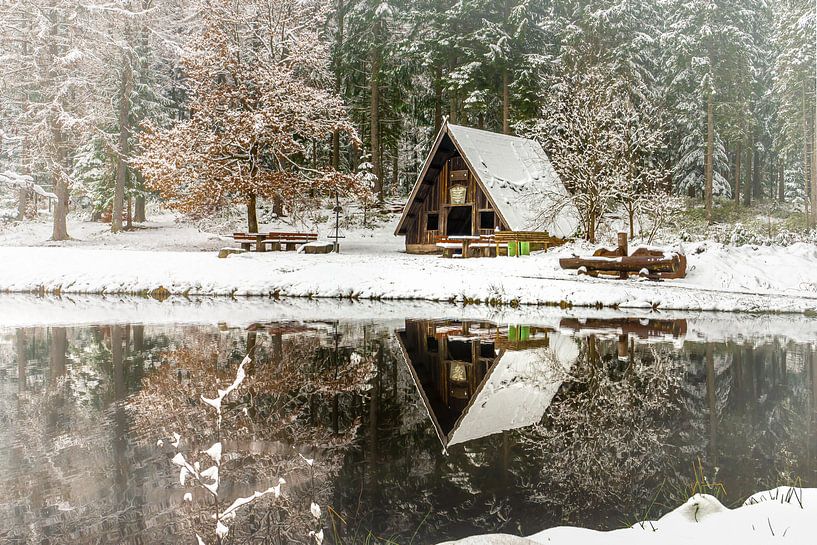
column 524, row 248
column 512, row 249
column 512, row 333
column 524, row 333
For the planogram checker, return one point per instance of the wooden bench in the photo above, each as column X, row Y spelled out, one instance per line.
column 538, row 240
column 276, row 241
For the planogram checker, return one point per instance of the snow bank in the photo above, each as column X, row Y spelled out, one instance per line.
column 783, row 514
column 721, row 278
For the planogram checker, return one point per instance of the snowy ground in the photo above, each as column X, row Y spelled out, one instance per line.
column 783, row 514
column 372, row 265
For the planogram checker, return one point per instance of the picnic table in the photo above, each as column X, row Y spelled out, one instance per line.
column 275, row 240
column 464, row 243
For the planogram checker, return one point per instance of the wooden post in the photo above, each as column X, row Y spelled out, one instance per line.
column 622, row 347
column 622, row 251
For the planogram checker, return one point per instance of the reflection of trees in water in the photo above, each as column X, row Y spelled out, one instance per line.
column 69, row 475
column 623, row 433
column 619, row 431
column 300, row 397
column 607, row 438
column 764, row 430
column 622, row 436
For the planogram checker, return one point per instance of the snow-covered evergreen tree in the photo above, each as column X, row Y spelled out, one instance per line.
column 707, row 64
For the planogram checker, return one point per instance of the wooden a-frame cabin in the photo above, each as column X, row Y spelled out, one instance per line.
column 475, row 182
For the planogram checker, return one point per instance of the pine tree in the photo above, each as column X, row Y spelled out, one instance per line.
column 708, row 66
column 794, row 92
column 53, row 61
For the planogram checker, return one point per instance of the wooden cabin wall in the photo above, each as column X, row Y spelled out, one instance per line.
column 436, row 200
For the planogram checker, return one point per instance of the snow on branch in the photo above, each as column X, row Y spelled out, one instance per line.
column 15, row 180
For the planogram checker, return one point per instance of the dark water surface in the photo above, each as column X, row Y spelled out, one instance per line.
column 424, row 423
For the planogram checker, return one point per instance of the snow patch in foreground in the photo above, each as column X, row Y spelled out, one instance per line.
column 784, row 513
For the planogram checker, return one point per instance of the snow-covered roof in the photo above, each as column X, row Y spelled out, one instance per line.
column 515, row 393
column 517, row 176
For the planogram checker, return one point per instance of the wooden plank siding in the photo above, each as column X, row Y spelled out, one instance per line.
column 434, row 198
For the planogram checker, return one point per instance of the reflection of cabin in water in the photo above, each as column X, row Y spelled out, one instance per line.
column 474, row 182
column 477, row 378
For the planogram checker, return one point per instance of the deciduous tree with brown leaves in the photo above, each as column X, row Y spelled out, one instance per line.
column 260, row 98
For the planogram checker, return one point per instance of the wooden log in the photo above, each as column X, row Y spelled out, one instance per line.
column 654, row 264
column 623, row 250
column 628, row 326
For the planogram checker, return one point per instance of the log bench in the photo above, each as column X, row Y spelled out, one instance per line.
column 275, row 240
column 651, row 263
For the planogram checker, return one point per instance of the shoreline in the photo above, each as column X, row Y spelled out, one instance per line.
column 532, row 282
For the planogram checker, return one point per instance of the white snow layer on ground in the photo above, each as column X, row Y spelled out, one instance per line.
column 782, row 514
column 720, row 278
column 372, row 265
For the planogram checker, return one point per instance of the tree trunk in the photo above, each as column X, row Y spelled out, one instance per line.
column 805, row 158
column 374, row 112
column 252, row 215
column 631, row 214
column 395, row 169
column 711, row 395
column 710, row 143
column 60, row 226
column 138, row 338
column 339, row 11
column 452, row 94
column 506, row 103
column 58, row 348
column 814, row 167
column 757, row 187
column 21, row 348
column 781, row 179
column 22, row 196
column 140, row 206
column 23, row 192
column 438, row 99
column 124, row 145
column 750, row 161
column 22, row 203
column 738, row 153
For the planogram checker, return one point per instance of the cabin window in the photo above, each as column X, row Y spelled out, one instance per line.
column 487, row 219
column 432, row 222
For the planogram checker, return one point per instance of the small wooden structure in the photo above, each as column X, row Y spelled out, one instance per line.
column 476, row 183
column 655, row 264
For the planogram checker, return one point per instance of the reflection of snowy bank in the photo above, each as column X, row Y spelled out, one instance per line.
column 21, row 310
column 786, row 514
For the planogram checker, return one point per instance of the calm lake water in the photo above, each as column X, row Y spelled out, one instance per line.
column 425, row 422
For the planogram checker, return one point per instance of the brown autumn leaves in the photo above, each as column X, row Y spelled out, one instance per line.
column 260, row 104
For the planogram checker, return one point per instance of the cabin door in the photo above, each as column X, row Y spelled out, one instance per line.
column 459, row 221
